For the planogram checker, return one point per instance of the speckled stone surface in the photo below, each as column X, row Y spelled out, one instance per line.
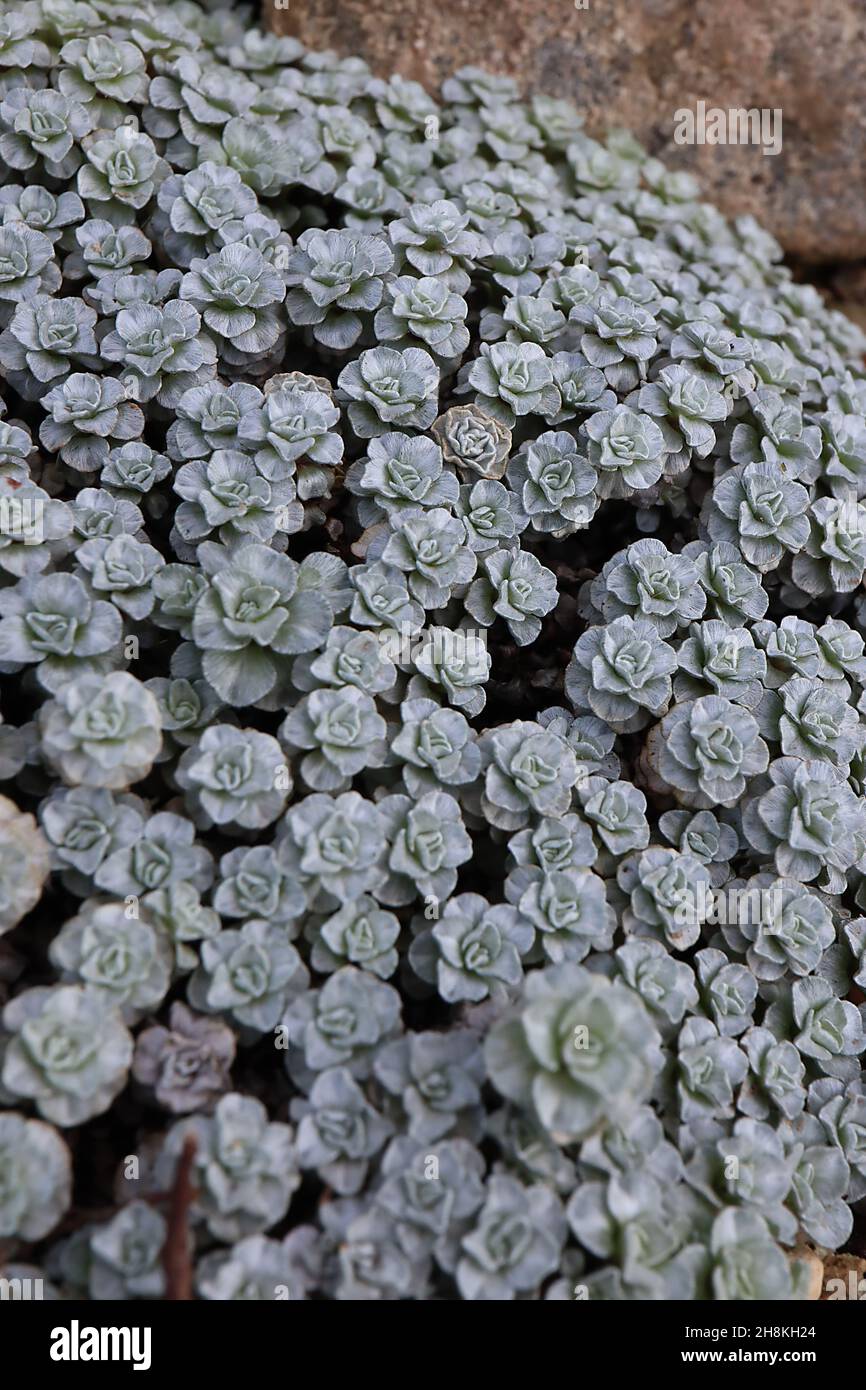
column 633, row 63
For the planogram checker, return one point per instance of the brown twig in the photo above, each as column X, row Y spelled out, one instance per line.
column 177, row 1251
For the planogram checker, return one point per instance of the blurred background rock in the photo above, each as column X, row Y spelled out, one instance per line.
column 633, row 63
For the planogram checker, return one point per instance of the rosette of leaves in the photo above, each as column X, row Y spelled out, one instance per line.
column 114, row 954
column 553, row 844
column 236, row 776
column 474, row 950
column 388, row 387
column 789, row 932
column 437, row 1078
column 163, row 350
column 687, row 404
column 185, row 707
column 228, row 494
column 106, row 252
column 826, row 1030
column 257, row 609
column 762, row 1174
column 208, row 200
column 68, row 1051
column 46, row 337
column 709, row 1068
column 512, row 380
column 88, row 416
column 806, row 816
column 643, row 1225
column 342, row 1024
column 123, row 568
column 382, row 599
column 525, row 318
column 513, row 258
column 400, row 473
column 473, row 441
column 293, row 437
column 427, row 843
column 491, row 515
column 245, row 1167
column 104, row 75
column 616, row 812
column 133, row 469
column 555, row 484
column 842, row 652
column 31, row 510
column 370, row 1264
column 775, row 1079
column 436, row 747
column 706, row 751
column 703, row 835
column 238, row 294
column 50, row 621
column 780, row 436
column 258, row 1268
column 260, row 882
column 582, row 388
column 179, row 916
column 186, row 1064
column 841, row 1109
column 666, row 985
column 121, row 173
column 455, row 661
column 716, row 659
column 812, row 719
column 26, row 263
column 834, row 557
column 126, row 1255
column 626, row 448
column 647, row 581
column 163, row 852
column 527, row 769
column 251, row 974
column 343, row 731
column 666, row 901
column 558, row 1049
column 43, row 128
column 759, row 509
column 101, row 731
column 435, row 240
column 429, row 547
column 429, row 1204
column 339, row 1131
column 727, row 991
column 516, row 587
column 621, row 673
column 361, row 934
column 46, row 212
column 570, row 913
column 426, row 310
column 84, row 825
column 843, row 450
column 747, row 1263
column 208, row 418
column 791, row 648
column 35, row 1177
column 515, row 1243
column 340, row 844
column 349, row 658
